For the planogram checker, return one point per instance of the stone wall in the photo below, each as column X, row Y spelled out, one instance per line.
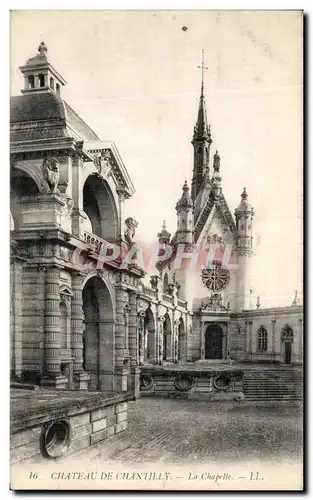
column 105, row 423
column 188, row 383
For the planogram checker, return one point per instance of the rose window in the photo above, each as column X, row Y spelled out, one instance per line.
column 215, row 278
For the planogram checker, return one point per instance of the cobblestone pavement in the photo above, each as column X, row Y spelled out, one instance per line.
column 164, row 430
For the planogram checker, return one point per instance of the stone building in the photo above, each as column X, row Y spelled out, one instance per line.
column 81, row 316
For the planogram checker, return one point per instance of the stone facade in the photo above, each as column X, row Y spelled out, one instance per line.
column 83, row 319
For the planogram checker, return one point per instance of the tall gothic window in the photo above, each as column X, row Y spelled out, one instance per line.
column 262, row 339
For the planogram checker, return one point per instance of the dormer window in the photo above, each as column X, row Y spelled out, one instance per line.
column 41, row 79
column 51, row 83
column 57, row 87
column 31, row 82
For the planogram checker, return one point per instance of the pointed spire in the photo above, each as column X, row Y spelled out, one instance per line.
column 296, row 299
column 164, row 236
column 202, row 129
column 244, row 205
column 244, row 194
column 185, row 200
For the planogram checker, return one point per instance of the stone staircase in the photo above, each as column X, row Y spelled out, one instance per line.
column 276, row 384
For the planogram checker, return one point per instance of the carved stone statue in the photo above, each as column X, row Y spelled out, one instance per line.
column 130, row 229
column 102, row 161
column 51, row 173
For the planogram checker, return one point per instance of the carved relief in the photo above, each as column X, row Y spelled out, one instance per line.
column 103, row 161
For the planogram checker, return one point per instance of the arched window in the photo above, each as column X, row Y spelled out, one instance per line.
column 57, row 88
column 41, row 80
column 165, row 283
column 51, row 83
column 287, row 334
column 262, row 339
column 31, row 82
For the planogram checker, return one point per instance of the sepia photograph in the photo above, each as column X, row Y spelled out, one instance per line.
column 156, row 250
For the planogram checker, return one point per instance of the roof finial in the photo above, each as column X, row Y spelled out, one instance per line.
column 164, row 236
column 42, row 49
column 202, row 67
column 244, row 194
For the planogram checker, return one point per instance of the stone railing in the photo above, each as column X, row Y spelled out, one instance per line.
column 93, row 240
column 149, row 291
column 167, row 298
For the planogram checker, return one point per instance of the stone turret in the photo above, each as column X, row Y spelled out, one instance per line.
column 184, row 209
column 244, row 216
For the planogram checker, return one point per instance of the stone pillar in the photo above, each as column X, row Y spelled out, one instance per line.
column 202, row 340
column 274, row 339
column 175, row 341
column 16, row 315
column 78, row 215
column 121, row 199
column 133, row 346
column 160, row 330
column 132, row 330
column 52, row 361
column 300, row 343
column 121, row 368
column 81, row 378
column 250, row 338
column 141, row 336
column 246, row 338
column 226, row 340
column 126, row 336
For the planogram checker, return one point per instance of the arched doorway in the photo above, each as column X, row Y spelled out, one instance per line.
column 99, row 206
column 22, row 185
column 167, row 338
column 181, row 355
column 149, row 339
column 213, row 342
column 98, row 335
column 287, row 340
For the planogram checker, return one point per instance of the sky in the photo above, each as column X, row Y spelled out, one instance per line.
column 134, row 77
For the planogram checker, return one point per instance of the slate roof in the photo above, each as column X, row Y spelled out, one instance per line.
column 52, row 115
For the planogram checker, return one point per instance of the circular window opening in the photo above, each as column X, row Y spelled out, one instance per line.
column 222, row 382
column 184, row 383
column 146, row 382
column 56, row 439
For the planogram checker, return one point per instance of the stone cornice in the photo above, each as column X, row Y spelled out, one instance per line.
column 42, row 145
column 273, row 311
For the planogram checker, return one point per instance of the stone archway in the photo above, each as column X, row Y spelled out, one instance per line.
column 99, row 205
column 98, row 339
column 149, row 338
column 287, row 341
column 213, row 342
column 167, row 338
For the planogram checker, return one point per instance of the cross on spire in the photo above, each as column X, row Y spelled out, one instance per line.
column 203, row 68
